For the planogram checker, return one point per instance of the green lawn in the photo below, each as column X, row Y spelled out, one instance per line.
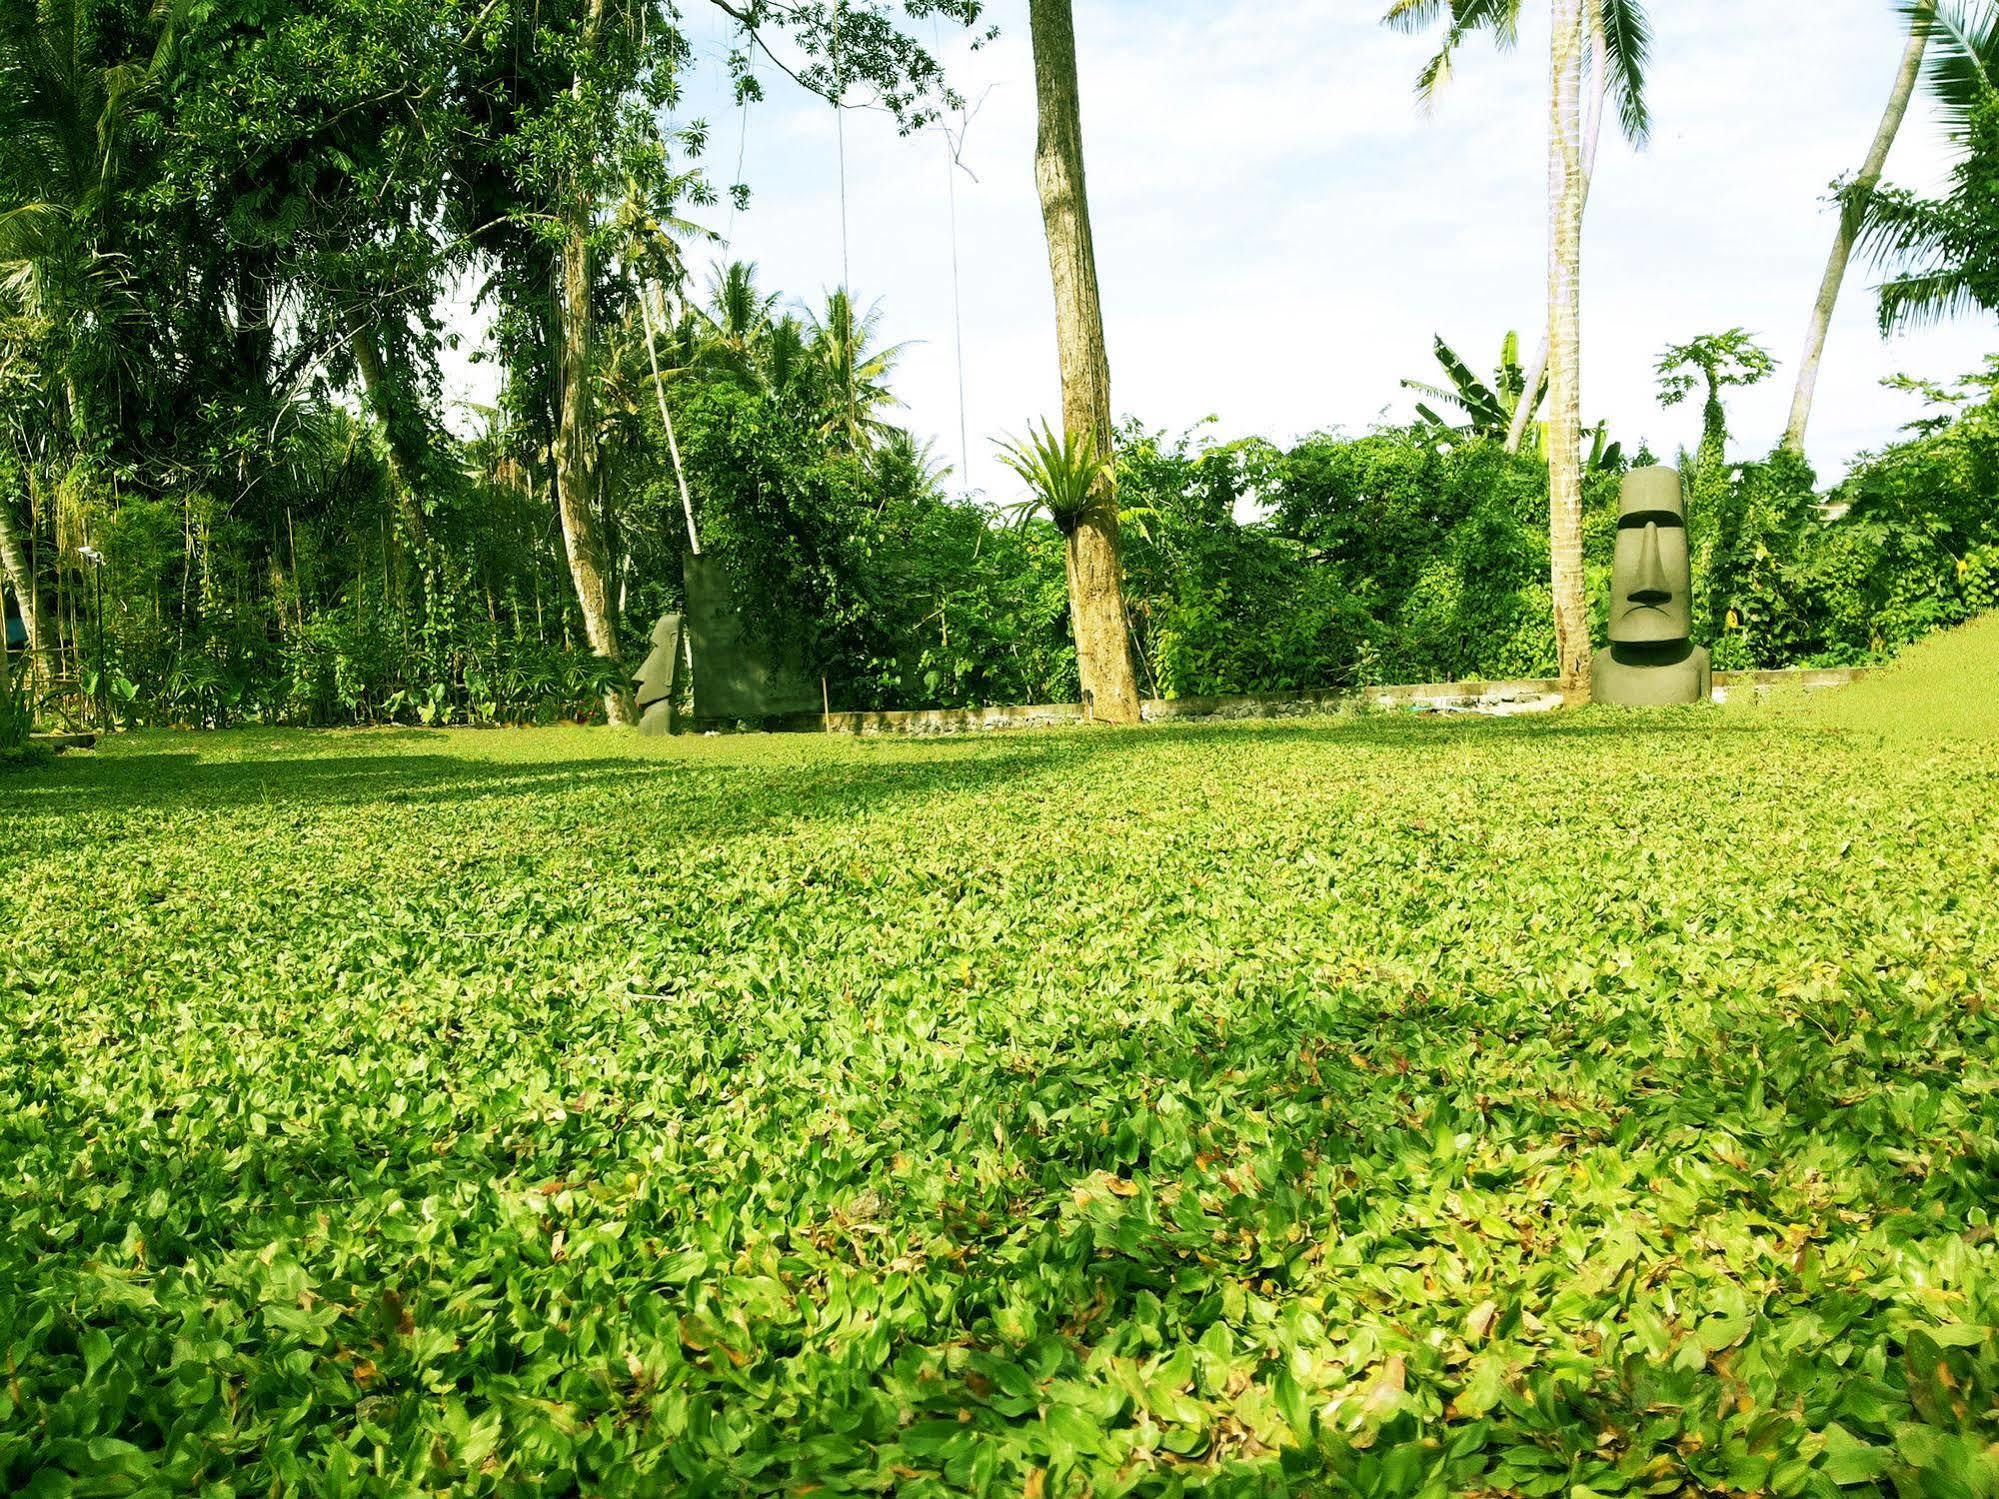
column 1579, row 1105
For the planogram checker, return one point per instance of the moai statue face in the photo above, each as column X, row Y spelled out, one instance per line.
column 1651, row 580
column 655, row 679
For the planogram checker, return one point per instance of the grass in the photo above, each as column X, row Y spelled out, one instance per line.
column 1944, row 687
column 1593, row 1104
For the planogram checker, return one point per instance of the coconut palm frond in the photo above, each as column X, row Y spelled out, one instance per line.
column 1936, row 254
column 1466, row 18
column 1410, row 16
column 1921, row 299
column 29, row 231
column 1963, row 68
column 1627, row 33
column 1896, row 223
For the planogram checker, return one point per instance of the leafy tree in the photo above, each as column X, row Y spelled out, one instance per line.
column 1711, row 364
column 317, row 143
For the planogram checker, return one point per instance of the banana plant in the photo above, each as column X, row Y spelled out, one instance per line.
column 1487, row 409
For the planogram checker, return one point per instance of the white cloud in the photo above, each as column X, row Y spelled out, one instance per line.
column 1281, row 229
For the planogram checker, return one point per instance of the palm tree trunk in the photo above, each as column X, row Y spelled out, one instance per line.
column 1096, row 586
column 406, row 466
column 666, row 420
column 14, row 559
column 1567, row 188
column 6, row 667
column 577, row 473
column 1523, row 414
column 1850, row 213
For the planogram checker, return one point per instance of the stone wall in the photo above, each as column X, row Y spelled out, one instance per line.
column 1496, row 699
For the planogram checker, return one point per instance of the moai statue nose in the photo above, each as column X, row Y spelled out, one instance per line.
column 1652, row 587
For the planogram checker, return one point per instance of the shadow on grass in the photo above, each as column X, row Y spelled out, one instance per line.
column 185, row 779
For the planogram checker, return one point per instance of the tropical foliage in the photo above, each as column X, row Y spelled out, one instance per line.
column 1488, row 409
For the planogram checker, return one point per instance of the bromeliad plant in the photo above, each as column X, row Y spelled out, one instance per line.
column 1063, row 471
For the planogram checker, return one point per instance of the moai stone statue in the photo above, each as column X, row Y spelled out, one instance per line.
column 655, row 681
column 1652, row 660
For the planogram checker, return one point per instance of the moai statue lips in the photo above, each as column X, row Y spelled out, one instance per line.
column 654, row 683
column 1652, row 660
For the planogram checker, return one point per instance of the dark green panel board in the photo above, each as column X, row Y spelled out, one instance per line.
column 739, row 673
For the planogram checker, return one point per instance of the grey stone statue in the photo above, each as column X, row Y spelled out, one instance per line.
column 1652, row 660
column 655, row 681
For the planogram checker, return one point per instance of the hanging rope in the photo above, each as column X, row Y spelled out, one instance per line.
column 742, row 145
column 951, row 149
column 958, row 322
column 840, row 132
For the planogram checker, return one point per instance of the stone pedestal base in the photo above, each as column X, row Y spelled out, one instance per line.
column 1651, row 683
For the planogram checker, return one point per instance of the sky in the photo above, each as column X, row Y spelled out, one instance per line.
column 1282, row 228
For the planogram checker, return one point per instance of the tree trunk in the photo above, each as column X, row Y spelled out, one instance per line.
column 6, row 668
column 1850, row 214
column 1567, row 188
column 14, row 559
column 576, row 472
column 666, row 420
column 1096, row 587
column 406, row 465
column 1523, row 414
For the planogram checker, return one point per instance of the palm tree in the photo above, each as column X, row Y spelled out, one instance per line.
column 828, row 370
column 1852, row 214
column 852, row 372
column 740, row 315
column 651, row 251
column 1096, row 584
column 1943, row 253
column 1609, row 41
column 1620, row 40
column 64, row 285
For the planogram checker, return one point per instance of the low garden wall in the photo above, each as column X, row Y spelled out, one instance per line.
column 1492, row 698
